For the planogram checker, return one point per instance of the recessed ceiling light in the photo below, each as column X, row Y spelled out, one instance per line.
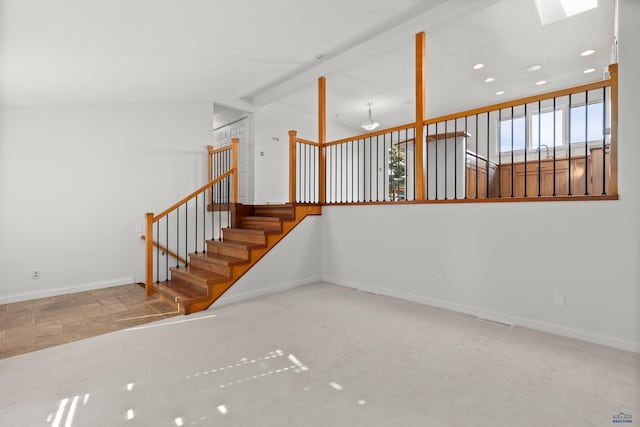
column 489, row 79
column 500, row 92
column 588, row 52
column 541, row 82
column 589, row 70
column 478, row 66
column 534, row 67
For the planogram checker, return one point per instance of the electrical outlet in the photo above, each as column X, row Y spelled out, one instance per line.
column 262, row 154
column 439, row 279
column 35, row 274
column 558, row 299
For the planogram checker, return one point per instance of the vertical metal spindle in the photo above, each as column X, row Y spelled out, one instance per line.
column 488, row 155
column 213, row 213
column 370, row 170
column 166, row 253
column 526, row 146
column 377, row 169
column 586, row 143
column 499, row 137
column 196, row 227
column 466, row 180
column 220, row 202
column 426, row 154
column 436, row 162
column 539, row 151
column 554, row 146
column 204, row 221
column 186, row 231
column 446, row 173
column 569, row 145
column 604, row 136
column 512, row 177
column 157, row 251
column 228, row 179
column 351, row 144
column 299, row 190
column 177, row 236
column 455, row 158
column 477, row 153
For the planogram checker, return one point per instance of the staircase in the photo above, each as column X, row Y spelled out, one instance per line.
column 255, row 230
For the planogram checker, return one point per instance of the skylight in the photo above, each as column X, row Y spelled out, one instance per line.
column 551, row 11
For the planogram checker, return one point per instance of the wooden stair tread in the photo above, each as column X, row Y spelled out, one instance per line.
column 197, row 276
column 236, row 243
column 218, row 258
column 177, row 290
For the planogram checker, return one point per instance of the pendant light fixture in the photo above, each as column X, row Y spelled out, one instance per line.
column 369, row 124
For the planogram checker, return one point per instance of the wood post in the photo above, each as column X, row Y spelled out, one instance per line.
column 322, row 136
column 148, row 283
column 613, row 152
column 292, row 166
column 235, row 142
column 210, row 168
column 420, row 116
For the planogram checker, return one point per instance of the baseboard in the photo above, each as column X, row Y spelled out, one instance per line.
column 6, row 299
column 494, row 316
column 224, row 300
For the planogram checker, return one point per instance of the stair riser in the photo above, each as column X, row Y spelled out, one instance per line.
column 280, row 212
column 228, row 251
column 190, row 280
column 239, row 236
column 209, row 266
column 267, row 226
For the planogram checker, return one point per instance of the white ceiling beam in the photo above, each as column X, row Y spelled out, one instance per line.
column 386, row 40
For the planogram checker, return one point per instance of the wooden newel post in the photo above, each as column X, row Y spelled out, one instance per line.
column 292, row 166
column 322, row 136
column 420, row 116
column 235, row 142
column 613, row 150
column 210, row 169
column 148, row 283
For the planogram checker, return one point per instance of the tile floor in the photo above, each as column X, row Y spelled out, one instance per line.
column 33, row 325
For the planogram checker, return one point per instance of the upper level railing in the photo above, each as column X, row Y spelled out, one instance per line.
column 560, row 145
column 186, row 226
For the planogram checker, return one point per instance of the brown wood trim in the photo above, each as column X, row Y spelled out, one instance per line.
column 420, row 116
column 149, row 255
column 581, row 198
column 514, row 103
column 166, row 250
column 220, row 150
column 439, row 136
column 210, row 170
column 192, row 195
column 370, row 134
column 236, row 172
column 613, row 154
column 292, row 166
column 322, row 139
column 307, row 142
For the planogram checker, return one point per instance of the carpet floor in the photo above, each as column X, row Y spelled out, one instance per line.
column 322, row 355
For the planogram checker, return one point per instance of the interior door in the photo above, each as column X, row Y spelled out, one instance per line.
column 222, row 136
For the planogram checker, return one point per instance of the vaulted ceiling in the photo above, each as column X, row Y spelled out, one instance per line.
column 101, row 51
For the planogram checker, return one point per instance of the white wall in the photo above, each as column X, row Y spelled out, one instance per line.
column 505, row 261
column 272, row 124
column 75, row 181
column 295, row 261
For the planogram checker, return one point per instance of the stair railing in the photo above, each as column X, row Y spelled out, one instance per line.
column 186, row 226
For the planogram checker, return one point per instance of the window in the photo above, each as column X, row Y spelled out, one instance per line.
column 592, row 116
column 545, row 127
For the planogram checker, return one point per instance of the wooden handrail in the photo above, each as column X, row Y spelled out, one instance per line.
column 371, row 134
column 219, row 150
column 516, row 102
column 192, row 195
column 306, row 141
column 166, row 250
